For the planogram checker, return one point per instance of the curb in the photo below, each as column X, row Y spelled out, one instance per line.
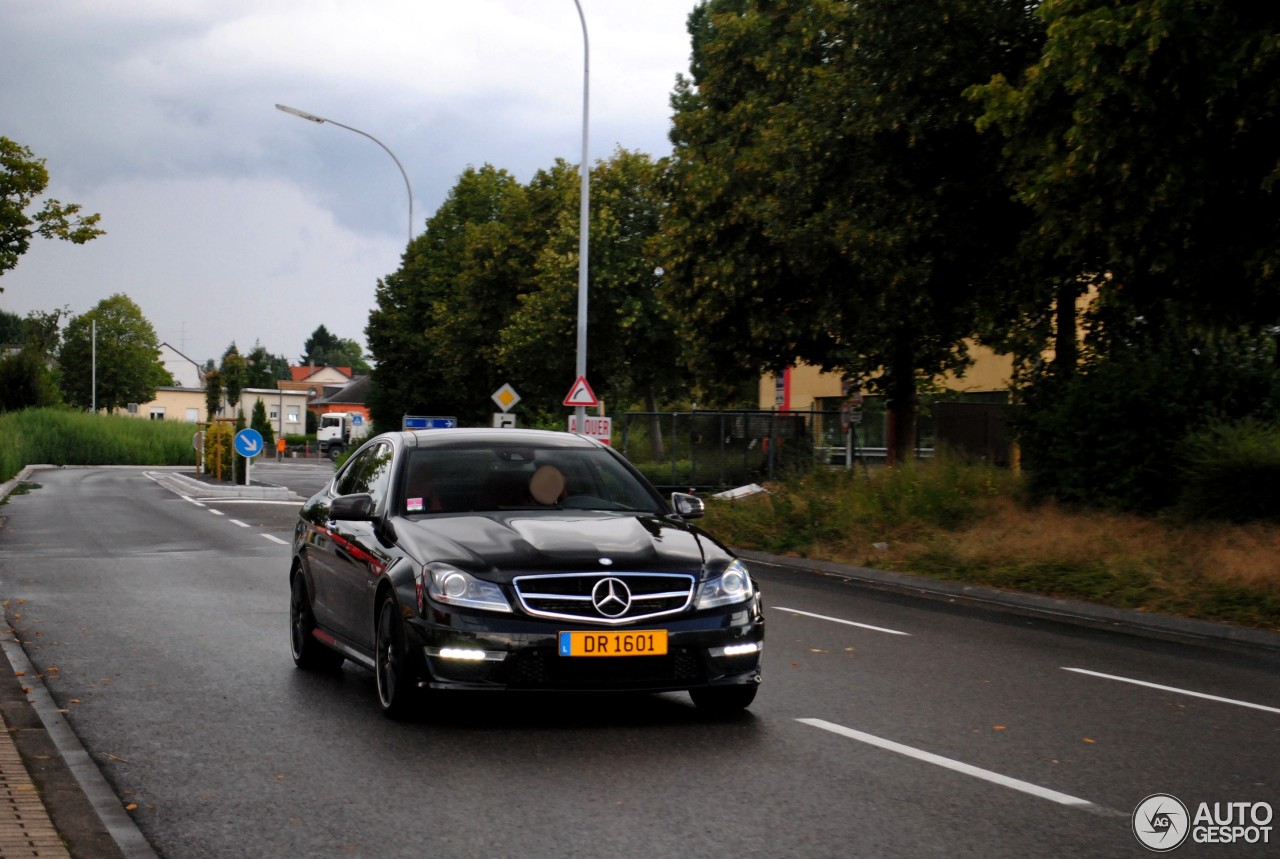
column 184, row 484
column 1077, row 612
column 174, row 480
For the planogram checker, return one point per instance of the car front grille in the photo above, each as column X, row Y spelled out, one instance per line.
column 605, row 598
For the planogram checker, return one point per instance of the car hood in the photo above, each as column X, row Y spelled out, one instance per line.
column 515, row 542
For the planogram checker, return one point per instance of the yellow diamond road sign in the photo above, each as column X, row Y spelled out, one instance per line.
column 506, row 397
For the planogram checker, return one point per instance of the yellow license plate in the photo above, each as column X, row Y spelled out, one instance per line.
column 636, row 642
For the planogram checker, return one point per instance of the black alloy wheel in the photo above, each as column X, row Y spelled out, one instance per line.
column 308, row 653
column 397, row 686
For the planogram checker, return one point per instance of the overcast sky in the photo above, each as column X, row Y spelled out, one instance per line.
column 228, row 220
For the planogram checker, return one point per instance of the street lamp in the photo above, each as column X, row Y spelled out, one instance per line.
column 320, row 120
column 584, row 208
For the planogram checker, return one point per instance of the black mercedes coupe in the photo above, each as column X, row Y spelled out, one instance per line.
column 517, row 560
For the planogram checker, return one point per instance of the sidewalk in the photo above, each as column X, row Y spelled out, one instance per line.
column 37, row 786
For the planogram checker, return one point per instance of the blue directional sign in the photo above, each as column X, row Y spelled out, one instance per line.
column 413, row 422
column 248, row 442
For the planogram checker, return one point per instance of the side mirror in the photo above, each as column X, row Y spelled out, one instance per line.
column 353, row 508
column 687, row 506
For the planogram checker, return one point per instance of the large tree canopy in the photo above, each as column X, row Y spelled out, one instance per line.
column 833, row 200
column 325, row 349
column 1144, row 139
column 633, row 353
column 23, row 178
column 123, row 357
column 489, row 295
column 427, row 317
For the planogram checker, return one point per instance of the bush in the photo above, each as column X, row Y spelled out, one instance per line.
column 1231, row 472
column 219, row 450
column 65, row 437
column 832, row 506
column 1110, row 435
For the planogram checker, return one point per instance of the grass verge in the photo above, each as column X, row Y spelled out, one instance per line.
column 963, row 522
column 64, row 437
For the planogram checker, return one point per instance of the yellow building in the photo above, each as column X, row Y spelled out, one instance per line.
column 973, row 422
column 806, row 388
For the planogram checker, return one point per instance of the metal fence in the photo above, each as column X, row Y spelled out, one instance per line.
column 712, row 450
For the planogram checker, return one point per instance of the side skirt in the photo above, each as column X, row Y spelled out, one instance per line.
column 344, row 647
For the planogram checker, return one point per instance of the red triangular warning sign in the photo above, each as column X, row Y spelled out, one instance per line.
column 581, row 394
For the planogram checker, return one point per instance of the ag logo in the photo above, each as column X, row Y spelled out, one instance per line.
column 1161, row 822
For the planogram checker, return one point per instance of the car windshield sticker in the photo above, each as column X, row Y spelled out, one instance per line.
column 413, row 505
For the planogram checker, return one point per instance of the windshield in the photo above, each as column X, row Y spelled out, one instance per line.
column 458, row 480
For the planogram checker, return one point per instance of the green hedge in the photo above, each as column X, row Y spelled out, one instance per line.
column 1231, row 472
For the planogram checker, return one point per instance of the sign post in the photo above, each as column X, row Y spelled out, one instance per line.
column 580, row 395
column 505, row 397
column 248, row 444
column 600, row 429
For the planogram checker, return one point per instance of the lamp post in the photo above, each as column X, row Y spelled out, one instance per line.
column 584, row 210
column 320, row 120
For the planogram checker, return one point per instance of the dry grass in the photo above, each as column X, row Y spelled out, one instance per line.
column 1213, row 571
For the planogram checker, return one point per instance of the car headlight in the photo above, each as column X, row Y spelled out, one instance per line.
column 731, row 586
column 454, row 587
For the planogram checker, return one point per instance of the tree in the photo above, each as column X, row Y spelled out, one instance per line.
column 434, row 330
column 489, row 295
column 633, row 352
column 260, row 422
column 128, row 366
column 25, row 382
column 28, row 377
column 234, row 373
column 23, row 178
column 1143, row 140
column 323, row 349
column 11, row 328
column 262, row 369
column 833, row 201
column 212, row 392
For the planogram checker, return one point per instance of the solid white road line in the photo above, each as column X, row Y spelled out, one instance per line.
column 839, row 620
column 1176, row 690
column 956, row 766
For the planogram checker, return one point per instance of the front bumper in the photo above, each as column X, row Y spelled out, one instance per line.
column 477, row 650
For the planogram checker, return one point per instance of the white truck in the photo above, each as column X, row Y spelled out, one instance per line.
column 339, row 431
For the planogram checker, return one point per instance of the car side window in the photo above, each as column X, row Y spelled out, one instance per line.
column 369, row 471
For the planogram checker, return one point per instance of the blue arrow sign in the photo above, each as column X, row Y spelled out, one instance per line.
column 249, row 442
column 415, row 422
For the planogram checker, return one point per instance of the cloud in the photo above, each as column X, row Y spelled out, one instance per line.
column 160, row 115
column 214, row 260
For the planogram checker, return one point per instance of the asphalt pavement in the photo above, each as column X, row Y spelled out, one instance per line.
column 54, row 802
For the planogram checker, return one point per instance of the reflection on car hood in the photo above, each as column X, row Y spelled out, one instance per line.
column 519, row 541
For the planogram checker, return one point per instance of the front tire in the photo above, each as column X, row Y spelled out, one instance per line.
column 723, row 700
column 308, row 654
column 397, row 684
